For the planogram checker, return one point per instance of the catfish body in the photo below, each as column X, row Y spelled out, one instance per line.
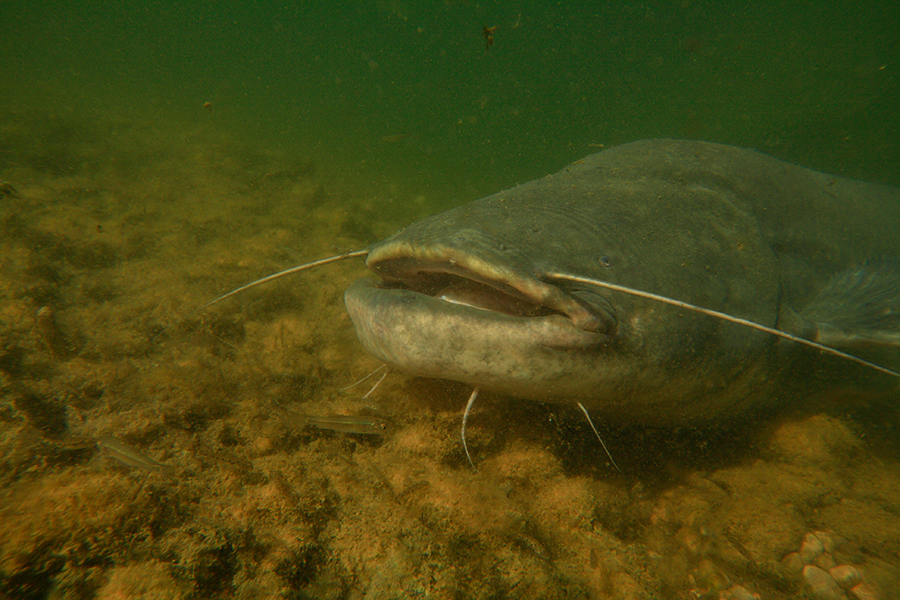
column 467, row 294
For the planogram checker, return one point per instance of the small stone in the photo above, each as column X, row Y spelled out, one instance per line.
column 51, row 333
column 262, row 444
column 825, row 561
column 148, row 580
column 793, row 562
column 811, row 548
column 739, row 592
column 709, row 576
column 863, row 592
column 846, row 576
column 822, row 584
column 826, row 539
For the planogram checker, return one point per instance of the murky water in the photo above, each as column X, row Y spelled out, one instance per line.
column 127, row 202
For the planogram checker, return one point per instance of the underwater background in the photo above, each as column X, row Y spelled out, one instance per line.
column 409, row 94
column 154, row 155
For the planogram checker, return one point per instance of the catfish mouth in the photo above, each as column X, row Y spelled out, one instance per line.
column 496, row 292
column 457, row 288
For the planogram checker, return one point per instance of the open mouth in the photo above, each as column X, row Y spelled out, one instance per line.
column 456, row 285
column 475, row 284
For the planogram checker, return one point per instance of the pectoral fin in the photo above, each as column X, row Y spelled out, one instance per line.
column 858, row 308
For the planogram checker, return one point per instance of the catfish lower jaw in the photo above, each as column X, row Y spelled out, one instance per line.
column 469, row 301
column 528, row 357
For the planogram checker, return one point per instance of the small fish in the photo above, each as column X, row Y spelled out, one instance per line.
column 366, row 422
column 394, row 138
column 128, row 455
column 359, row 424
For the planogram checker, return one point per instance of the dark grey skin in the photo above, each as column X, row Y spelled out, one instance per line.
column 468, row 294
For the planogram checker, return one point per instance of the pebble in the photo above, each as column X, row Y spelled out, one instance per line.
column 827, row 541
column 811, row 549
column 826, row 579
column 822, row 584
column 739, row 592
column 825, row 562
column 793, row 562
column 262, row 444
column 48, row 328
column 863, row 592
column 846, row 576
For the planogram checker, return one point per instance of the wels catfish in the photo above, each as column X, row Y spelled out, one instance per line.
column 511, row 293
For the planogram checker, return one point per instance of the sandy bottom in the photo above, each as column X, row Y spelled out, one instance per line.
column 111, row 232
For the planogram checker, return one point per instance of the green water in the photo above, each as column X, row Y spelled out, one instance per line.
column 154, row 155
column 811, row 82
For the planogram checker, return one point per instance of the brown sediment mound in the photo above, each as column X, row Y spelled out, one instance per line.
column 63, row 528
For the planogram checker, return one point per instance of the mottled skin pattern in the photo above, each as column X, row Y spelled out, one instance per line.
column 717, row 226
